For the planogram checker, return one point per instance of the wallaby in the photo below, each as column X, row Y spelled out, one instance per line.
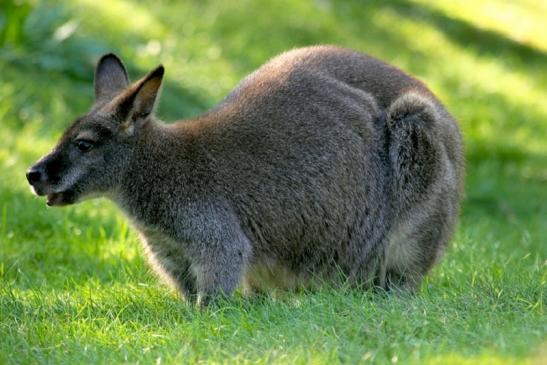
column 323, row 161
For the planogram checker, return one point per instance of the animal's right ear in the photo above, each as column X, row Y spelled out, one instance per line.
column 110, row 78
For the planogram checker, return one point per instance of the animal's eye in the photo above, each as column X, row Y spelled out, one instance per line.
column 83, row 145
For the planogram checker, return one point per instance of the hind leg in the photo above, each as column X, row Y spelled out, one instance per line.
column 409, row 257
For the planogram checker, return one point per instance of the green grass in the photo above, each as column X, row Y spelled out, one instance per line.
column 74, row 287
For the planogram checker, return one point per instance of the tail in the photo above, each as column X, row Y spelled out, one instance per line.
column 414, row 148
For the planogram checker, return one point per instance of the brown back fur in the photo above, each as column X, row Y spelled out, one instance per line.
column 322, row 161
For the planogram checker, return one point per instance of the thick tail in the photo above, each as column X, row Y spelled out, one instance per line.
column 414, row 147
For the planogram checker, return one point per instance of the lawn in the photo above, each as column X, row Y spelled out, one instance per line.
column 74, row 286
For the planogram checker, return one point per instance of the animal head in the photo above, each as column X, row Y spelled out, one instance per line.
column 92, row 154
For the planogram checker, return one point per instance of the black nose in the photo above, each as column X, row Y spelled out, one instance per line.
column 33, row 175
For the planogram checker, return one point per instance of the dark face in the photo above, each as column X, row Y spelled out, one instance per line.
column 93, row 153
column 88, row 161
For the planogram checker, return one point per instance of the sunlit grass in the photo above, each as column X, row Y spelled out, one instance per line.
column 75, row 288
column 521, row 21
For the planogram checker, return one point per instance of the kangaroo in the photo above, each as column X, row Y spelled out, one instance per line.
column 323, row 161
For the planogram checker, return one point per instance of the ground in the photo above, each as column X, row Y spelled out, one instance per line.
column 74, row 286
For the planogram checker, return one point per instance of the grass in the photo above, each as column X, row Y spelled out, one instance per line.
column 74, row 287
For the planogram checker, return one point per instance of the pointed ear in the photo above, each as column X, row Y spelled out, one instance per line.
column 110, row 78
column 140, row 100
column 147, row 94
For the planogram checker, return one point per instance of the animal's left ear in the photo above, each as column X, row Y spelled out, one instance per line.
column 139, row 100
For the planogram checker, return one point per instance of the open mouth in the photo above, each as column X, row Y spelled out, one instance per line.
column 59, row 198
column 56, row 198
column 53, row 198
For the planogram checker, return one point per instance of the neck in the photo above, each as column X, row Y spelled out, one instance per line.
column 157, row 180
